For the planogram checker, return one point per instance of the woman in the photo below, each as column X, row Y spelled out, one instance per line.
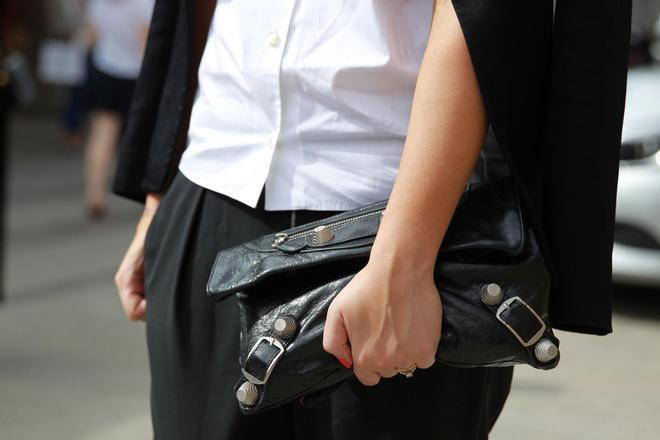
column 279, row 138
column 117, row 33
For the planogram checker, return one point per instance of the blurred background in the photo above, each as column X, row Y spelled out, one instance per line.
column 71, row 364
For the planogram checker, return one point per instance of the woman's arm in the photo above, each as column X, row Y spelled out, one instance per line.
column 445, row 133
column 389, row 315
column 129, row 278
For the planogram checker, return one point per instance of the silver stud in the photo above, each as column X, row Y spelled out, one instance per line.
column 285, row 327
column 322, row 234
column 247, row 394
column 492, row 294
column 545, row 350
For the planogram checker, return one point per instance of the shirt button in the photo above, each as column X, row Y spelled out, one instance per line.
column 273, row 38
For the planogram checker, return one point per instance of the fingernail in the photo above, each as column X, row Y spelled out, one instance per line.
column 345, row 362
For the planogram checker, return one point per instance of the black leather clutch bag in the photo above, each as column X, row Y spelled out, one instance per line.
column 490, row 273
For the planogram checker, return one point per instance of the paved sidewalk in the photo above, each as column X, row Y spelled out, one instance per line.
column 72, row 367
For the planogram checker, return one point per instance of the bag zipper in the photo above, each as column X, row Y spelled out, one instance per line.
column 281, row 237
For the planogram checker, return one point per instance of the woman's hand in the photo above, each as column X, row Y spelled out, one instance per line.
column 129, row 278
column 388, row 317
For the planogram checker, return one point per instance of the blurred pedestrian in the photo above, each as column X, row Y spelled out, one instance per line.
column 73, row 116
column 117, row 32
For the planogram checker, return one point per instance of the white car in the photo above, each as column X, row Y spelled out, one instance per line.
column 636, row 255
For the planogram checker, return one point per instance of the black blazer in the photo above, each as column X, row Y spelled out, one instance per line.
column 554, row 99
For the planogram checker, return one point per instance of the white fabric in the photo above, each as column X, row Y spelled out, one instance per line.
column 311, row 98
column 119, row 25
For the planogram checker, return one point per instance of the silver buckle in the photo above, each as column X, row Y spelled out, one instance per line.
column 534, row 339
column 273, row 342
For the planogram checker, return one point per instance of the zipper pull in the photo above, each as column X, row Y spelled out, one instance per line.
column 280, row 238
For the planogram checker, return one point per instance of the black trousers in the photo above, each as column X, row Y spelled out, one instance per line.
column 193, row 347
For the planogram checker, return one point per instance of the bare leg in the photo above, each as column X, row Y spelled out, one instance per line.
column 100, row 151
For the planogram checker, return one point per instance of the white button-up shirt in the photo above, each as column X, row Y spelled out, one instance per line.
column 310, row 98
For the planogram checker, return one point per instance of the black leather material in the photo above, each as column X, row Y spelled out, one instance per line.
column 488, row 241
column 261, row 360
column 522, row 320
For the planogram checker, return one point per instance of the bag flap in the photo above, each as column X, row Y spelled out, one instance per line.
column 488, row 217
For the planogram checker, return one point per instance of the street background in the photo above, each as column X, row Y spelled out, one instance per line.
column 73, row 367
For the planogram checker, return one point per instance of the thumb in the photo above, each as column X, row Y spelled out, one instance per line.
column 335, row 337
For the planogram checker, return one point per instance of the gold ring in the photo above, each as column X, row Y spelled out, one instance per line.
column 408, row 372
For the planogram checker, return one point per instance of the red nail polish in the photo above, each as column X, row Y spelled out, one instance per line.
column 345, row 363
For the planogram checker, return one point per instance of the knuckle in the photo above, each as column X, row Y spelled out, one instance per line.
column 381, row 363
column 371, row 356
column 390, row 355
column 424, row 350
column 427, row 361
column 400, row 360
column 368, row 379
column 388, row 374
column 333, row 308
column 398, row 353
column 368, row 360
column 328, row 345
column 403, row 362
column 429, row 351
column 397, row 348
column 360, row 360
column 430, row 347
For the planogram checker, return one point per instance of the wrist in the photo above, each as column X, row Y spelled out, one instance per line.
column 151, row 204
column 149, row 211
column 412, row 235
column 404, row 252
column 398, row 262
column 143, row 224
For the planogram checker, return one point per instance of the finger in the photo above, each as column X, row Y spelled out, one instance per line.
column 335, row 337
column 426, row 356
column 130, row 296
column 129, row 280
column 140, row 311
column 134, row 305
column 388, row 373
column 426, row 362
column 366, row 377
